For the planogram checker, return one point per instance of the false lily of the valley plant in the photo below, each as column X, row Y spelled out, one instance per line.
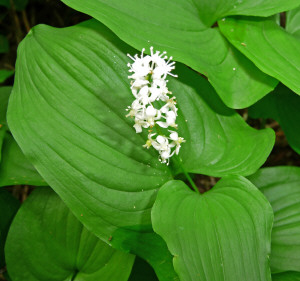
column 120, row 143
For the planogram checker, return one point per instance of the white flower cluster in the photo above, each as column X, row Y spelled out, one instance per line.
column 154, row 107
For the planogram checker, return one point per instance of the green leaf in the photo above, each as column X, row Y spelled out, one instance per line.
column 89, row 144
column 142, row 271
column 293, row 22
column 281, row 186
column 5, row 74
column 221, row 142
column 46, row 242
column 4, row 45
column 283, row 106
column 8, row 207
column 4, row 96
column 269, row 46
column 15, row 169
column 224, row 234
column 236, row 79
column 211, row 11
column 20, row 4
column 286, row 276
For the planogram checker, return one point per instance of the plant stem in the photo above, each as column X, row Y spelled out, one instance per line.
column 188, row 177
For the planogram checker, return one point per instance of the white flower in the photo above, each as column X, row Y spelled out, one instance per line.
column 149, row 86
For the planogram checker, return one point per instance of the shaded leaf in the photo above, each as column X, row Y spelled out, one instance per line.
column 269, row 46
column 142, row 271
column 236, row 79
column 283, row 106
column 4, row 95
column 5, row 74
column 4, row 46
column 15, row 169
column 46, row 242
column 286, row 276
column 281, row 186
column 8, row 208
column 224, row 234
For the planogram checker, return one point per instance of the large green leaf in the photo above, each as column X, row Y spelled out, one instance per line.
column 283, row 106
column 46, row 242
column 8, row 207
column 269, row 46
column 15, row 169
column 281, row 186
column 286, row 276
column 224, row 234
column 78, row 76
column 4, row 95
column 293, row 22
column 176, row 27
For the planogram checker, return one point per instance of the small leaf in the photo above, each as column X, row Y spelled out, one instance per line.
column 269, row 46
column 46, row 242
column 15, row 169
column 8, row 208
column 281, row 186
column 283, row 106
column 222, row 235
column 286, row 276
column 236, row 79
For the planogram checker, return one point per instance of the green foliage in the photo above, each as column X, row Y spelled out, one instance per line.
column 283, row 106
column 281, row 186
column 8, row 207
column 269, row 46
column 46, row 242
column 222, row 235
column 110, row 197
column 236, row 79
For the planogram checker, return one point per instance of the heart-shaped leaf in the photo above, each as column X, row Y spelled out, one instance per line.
column 163, row 24
column 283, row 106
column 78, row 76
column 286, row 276
column 269, row 46
column 224, row 234
column 46, row 242
column 281, row 186
column 8, row 208
column 15, row 169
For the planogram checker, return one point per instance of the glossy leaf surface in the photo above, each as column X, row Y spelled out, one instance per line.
column 8, row 208
column 269, row 46
column 283, row 106
column 222, row 235
column 46, row 242
column 281, row 186
column 164, row 24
